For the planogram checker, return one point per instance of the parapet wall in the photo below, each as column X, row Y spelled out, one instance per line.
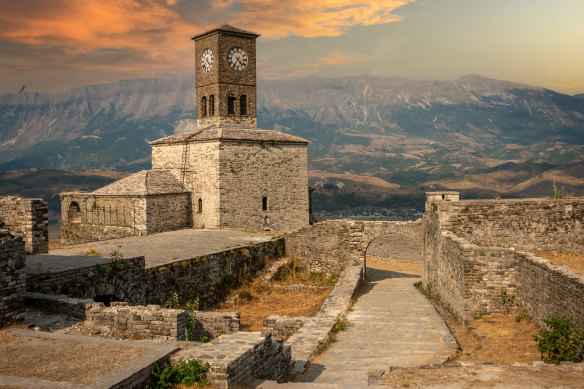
column 27, row 218
column 472, row 262
column 333, row 245
column 12, row 275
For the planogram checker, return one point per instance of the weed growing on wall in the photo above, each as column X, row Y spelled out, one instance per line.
column 91, row 251
column 187, row 374
column 340, row 324
column 561, row 341
column 191, row 319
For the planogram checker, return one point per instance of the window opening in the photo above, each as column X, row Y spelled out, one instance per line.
column 243, row 105
column 200, row 206
column 212, row 105
column 231, row 104
column 204, row 106
column 264, row 203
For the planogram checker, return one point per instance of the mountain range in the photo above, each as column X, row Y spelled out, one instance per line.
column 400, row 131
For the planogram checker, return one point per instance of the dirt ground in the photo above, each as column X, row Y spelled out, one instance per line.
column 293, row 294
column 574, row 262
column 60, row 360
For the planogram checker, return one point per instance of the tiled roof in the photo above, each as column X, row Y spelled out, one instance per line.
column 146, row 182
column 226, row 28
column 219, row 133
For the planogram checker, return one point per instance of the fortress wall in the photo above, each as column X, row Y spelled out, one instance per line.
column 209, row 277
column 125, row 280
column 12, row 275
column 472, row 279
column 333, row 244
column 168, row 212
column 527, row 224
column 202, row 179
column 250, row 171
column 27, row 218
column 101, row 217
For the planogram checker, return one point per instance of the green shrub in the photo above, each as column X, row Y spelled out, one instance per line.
column 562, row 341
column 187, row 373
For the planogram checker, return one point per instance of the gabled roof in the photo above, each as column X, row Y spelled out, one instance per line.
column 146, row 182
column 226, row 28
column 221, row 133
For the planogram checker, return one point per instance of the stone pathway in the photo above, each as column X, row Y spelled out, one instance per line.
column 391, row 324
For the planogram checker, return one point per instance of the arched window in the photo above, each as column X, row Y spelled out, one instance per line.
column 74, row 214
column 212, row 105
column 200, row 206
column 204, row 106
column 231, row 104
column 264, row 203
column 243, row 105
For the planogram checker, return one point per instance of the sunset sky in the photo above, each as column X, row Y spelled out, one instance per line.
column 53, row 45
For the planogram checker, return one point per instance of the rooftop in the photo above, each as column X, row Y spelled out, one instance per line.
column 146, row 182
column 225, row 28
column 222, row 133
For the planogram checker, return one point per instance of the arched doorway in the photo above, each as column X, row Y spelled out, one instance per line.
column 392, row 255
column 74, row 213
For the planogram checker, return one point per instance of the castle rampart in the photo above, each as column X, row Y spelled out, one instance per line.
column 12, row 275
column 28, row 218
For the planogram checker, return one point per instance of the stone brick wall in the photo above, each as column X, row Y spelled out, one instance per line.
column 150, row 322
column 526, row 224
column 12, row 275
column 209, row 277
column 471, row 262
column 60, row 304
column 281, row 327
column 238, row 359
column 107, row 217
column 215, row 324
column 331, row 245
column 126, row 283
column 27, row 218
column 276, row 171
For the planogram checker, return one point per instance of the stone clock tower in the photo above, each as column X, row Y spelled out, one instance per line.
column 225, row 63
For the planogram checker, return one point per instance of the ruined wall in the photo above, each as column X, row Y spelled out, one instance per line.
column 101, row 217
column 526, row 224
column 333, row 244
column 124, row 280
column 27, row 218
column 250, row 171
column 210, row 277
column 12, row 275
column 468, row 275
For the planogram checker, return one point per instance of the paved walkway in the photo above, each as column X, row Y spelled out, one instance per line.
column 391, row 324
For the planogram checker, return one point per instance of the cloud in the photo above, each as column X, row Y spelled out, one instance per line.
column 293, row 69
column 151, row 37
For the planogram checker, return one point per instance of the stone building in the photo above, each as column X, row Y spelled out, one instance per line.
column 223, row 173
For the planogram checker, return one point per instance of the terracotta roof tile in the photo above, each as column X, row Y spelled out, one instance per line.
column 146, row 182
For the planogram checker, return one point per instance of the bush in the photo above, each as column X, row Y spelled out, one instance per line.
column 561, row 341
column 187, row 373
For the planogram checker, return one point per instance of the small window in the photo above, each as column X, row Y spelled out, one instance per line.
column 264, row 203
column 204, row 106
column 74, row 215
column 200, row 206
column 243, row 105
column 231, row 104
column 212, row 105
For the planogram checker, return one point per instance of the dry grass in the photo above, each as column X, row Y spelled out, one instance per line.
column 574, row 262
column 293, row 293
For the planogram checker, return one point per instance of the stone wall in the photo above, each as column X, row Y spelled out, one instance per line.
column 282, row 327
column 103, row 217
column 210, row 277
column 277, row 171
column 150, row 322
column 331, row 245
column 12, row 275
column 238, row 359
column 59, row 304
column 27, row 218
column 472, row 264
column 126, row 281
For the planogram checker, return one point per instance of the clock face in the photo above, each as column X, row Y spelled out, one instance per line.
column 237, row 58
column 207, row 60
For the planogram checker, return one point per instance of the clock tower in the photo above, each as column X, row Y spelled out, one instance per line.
column 225, row 70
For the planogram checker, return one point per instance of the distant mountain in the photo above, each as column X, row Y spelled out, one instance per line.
column 403, row 131
column 579, row 96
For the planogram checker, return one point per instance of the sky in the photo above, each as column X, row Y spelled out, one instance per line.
column 55, row 45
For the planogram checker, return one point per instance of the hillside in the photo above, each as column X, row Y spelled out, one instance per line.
column 405, row 132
